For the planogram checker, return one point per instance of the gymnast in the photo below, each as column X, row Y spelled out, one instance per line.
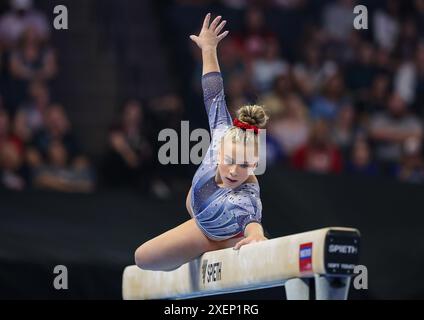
column 224, row 200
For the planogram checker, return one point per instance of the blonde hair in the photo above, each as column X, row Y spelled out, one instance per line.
column 251, row 114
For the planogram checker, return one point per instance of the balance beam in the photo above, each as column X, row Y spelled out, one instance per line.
column 327, row 255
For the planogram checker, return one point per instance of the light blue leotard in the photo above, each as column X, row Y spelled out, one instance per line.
column 221, row 213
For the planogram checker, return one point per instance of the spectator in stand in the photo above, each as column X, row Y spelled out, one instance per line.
column 390, row 129
column 275, row 102
column 166, row 111
column 385, row 62
column 361, row 160
column 346, row 53
column 375, row 101
column 268, row 66
column 37, row 104
column 21, row 133
column 337, row 19
column 332, row 99
column 343, row 130
column 4, row 127
column 311, row 72
column 31, row 60
column 21, row 17
column 60, row 174
column 57, row 128
column 4, row 77
column 411, row 168
column 163, row 112
column 6, row 133
column 319, row 154
column 253, row 40
column 409, row 80
column 386, row 24
column 408, row 40
column 291, row 128
column 13, row 172
column 129, row 161
column 360, row 74
column 275, row 155
column 419, row 15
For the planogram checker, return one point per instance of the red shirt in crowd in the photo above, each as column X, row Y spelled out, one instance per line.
column 318, row 159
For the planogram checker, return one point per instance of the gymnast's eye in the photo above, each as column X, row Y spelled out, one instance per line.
column 244, row 165
column 228, row 160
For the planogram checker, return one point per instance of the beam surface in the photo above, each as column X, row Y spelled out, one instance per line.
column 258, row 265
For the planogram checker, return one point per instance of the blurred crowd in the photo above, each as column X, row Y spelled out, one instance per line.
column 37, row 145
column 340, row 100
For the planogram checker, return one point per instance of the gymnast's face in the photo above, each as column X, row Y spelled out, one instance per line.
column 236, row 162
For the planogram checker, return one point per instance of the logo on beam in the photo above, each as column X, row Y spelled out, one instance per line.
column 305, row 257
column 211, row 272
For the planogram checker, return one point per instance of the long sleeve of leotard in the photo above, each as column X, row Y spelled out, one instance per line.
column 214, row 98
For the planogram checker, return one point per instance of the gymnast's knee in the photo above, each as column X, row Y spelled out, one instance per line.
column 145, row 260
column 142, row 258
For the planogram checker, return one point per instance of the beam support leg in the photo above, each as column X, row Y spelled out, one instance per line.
column 297, row 289
column 331, row 288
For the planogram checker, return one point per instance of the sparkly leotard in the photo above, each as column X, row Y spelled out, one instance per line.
column 221, row 213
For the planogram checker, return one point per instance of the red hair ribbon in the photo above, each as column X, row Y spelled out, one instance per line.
column 245, row 126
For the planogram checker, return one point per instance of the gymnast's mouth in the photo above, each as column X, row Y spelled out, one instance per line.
column 231, row 180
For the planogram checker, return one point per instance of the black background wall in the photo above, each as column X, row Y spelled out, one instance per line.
column 95, row 235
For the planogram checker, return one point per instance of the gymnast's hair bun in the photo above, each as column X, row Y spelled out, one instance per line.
column 254, row 115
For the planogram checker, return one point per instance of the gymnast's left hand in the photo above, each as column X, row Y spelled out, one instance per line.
column 250, row 239
column 210, row 35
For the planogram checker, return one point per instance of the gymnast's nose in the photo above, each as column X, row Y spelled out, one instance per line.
column 233, row 170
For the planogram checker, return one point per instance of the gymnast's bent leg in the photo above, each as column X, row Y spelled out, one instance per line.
column 176, row 247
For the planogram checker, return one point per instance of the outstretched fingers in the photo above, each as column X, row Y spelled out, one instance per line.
column 206, row 21
column 219, row 27
column 215, row 23
column 210, row 33
column 222, row 35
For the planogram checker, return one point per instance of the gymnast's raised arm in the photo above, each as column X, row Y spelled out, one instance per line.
column 208, row 40
column 212, row 83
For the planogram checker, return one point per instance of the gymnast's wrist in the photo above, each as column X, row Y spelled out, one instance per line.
column 253, row 228
column 209, row 49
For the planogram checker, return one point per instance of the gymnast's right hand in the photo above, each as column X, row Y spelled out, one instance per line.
column 210, row 36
